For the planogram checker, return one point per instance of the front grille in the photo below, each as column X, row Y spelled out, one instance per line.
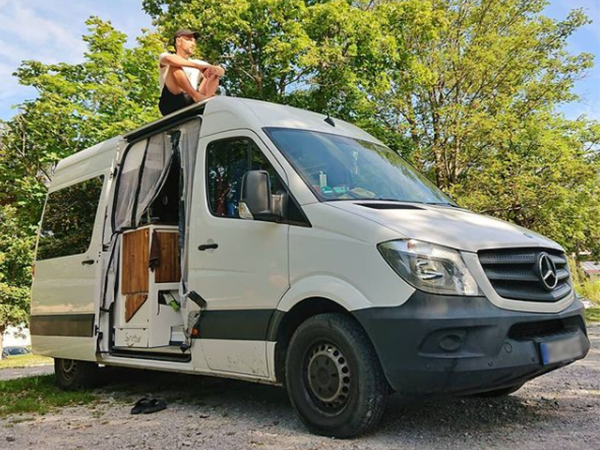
column 515, row 274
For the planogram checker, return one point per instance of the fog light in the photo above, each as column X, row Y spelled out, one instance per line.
column 451, row 342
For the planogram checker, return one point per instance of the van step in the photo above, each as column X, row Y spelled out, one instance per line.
column 170, row 353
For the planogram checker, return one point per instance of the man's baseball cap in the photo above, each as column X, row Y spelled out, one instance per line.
column 185, row 32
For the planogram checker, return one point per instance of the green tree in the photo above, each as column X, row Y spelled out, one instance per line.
column 15, row 273
column 542, row 176
column 113, row 90
column 466, row 89
column 490, row 67
column 325, row 56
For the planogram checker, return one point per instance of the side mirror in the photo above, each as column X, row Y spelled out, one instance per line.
column 255, row 201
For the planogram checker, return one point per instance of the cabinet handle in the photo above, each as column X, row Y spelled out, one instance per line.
column 207, row 246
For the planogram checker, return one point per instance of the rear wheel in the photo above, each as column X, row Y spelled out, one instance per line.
column 333, row 377
column 71, row 374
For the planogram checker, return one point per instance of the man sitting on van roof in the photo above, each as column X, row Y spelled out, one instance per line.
column 180, row 76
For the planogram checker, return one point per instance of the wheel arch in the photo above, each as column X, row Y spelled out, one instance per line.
column 284, row 324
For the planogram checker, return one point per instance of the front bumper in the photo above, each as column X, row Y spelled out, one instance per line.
column 464, row 345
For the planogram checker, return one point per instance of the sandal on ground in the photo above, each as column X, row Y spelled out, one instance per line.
column 148, row 406
column 140, row 405
column 155, row 405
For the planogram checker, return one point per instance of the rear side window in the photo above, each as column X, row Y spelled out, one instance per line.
column 69, row 220
column 227, row 161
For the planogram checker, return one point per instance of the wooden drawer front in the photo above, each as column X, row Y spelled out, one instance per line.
column 135, row 262
column 167, row 270
column 133, row 303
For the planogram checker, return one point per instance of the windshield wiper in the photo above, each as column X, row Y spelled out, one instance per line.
column 452, row 205
column 393, row 200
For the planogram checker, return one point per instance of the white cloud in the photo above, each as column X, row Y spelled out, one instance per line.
column 26, row 35
column 35, row 34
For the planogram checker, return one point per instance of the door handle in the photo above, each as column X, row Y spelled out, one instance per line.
column 88, row 262
column 207, row 246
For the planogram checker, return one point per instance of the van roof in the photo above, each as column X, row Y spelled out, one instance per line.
column 237, row 112
column 231, row 113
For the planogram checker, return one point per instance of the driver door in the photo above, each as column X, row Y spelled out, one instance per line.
column 240, row 267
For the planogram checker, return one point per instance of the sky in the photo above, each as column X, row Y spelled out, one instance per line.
column 51, row 32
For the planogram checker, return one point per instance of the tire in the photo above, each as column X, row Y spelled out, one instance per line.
column 71, row 375
column 334, row 378
column 499, row 392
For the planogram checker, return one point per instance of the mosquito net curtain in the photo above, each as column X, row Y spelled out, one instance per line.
column 142, row 174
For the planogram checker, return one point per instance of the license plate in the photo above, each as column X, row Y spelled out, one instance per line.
column 561, row 350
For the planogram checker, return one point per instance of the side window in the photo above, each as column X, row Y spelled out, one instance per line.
column 227, row 161
column 69, row 220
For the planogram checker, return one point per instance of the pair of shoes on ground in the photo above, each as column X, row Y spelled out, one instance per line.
column 148, row 406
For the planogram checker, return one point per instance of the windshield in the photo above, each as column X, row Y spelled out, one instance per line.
column 342, row 168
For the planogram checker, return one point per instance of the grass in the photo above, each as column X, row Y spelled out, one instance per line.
column 37, row 395
column 590, row 290
column 592, row 314
column 16, row 362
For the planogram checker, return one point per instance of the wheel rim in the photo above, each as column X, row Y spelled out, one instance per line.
column 329, row 377
column 68, row 368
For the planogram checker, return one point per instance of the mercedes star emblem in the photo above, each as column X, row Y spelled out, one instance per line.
column 547, row 270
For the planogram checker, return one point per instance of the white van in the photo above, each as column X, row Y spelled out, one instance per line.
column 249, row 240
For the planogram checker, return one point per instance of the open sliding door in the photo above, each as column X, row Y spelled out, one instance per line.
column 144, row 277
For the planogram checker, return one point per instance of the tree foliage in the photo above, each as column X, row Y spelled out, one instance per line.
column 327, row 56
column 78, row 105
column 491, row 67
column 16, row 248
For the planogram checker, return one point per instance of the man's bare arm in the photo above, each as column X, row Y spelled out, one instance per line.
column 178, row 61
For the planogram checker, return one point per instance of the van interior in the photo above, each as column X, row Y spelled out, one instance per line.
column 145, row 314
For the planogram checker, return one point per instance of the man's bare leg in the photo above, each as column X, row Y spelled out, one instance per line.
column 209, row 84
column 178, row 82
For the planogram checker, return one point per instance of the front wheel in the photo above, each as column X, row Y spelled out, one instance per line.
column 71, row 374
column 334, row 378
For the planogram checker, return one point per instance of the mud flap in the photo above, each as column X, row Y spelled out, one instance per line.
column 192, row 319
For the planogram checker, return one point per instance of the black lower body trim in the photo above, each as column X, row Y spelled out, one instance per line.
column 240, row 324
column 71, row 325
column 444, row 344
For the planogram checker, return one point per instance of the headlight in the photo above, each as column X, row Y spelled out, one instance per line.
column 429, row 267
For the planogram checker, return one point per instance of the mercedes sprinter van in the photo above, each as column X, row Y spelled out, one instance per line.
column 250, row 240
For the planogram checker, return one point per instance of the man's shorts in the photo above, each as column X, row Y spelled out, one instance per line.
column 170, row 102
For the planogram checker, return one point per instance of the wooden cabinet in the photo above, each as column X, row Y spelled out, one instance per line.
column 149, row 265
column 167, row 268
column 135, row 273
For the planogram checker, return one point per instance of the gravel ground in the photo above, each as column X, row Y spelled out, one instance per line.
column 558, row 410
